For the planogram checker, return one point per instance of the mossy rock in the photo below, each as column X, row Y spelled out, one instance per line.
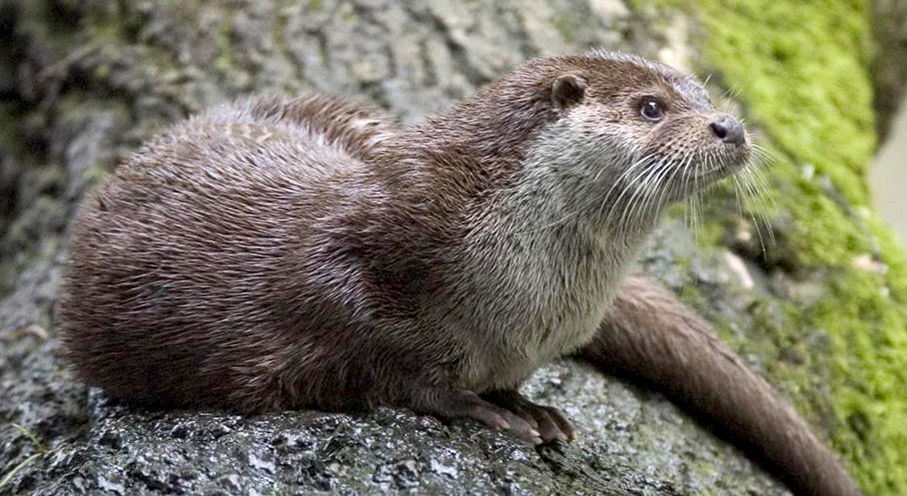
column 801, row 69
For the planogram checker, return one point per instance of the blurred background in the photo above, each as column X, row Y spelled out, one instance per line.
column 889, row 174
column 889, row 171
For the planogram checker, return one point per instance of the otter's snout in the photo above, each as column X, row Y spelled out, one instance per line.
column 727, row 129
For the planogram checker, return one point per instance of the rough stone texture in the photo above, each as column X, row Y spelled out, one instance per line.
column 84, row 82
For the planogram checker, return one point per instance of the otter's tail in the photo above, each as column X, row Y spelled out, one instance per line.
column 649, row 336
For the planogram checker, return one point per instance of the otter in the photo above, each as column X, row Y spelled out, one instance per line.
column 299, row 253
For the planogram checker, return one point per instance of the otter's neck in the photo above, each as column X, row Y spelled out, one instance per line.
column 545, row 227
column 480, row 142
column 497, row 167
column 561, row 187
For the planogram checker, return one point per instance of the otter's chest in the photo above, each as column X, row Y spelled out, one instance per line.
column 540, row 310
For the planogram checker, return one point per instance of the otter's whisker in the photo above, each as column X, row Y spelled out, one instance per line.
column 685, row 184
column 659, row 188
column 759, row 199
column 738, row 195
column 697, row 186
column 634, row 187
column 639, row 164
column 648, row 189
column 633, row 168
column 670, row 187
column 643, row 171
column 661, row 185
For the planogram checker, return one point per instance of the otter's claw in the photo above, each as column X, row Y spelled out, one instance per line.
column 549, row 421
column 462, row 403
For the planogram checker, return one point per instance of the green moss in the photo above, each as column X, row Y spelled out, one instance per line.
column 564, row 25
column 800, row 68
column 224, row 44
column 656, row 5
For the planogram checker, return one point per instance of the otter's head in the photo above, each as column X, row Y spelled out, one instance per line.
column 628, row 135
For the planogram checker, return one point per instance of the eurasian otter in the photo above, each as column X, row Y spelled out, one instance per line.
column 308, row 253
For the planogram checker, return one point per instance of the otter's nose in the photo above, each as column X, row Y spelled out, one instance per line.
column 728, row 130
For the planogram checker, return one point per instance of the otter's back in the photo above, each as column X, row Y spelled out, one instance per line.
column 175, row 260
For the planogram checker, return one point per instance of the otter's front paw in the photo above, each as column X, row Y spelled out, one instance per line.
column 549, row 421
column 462, row 403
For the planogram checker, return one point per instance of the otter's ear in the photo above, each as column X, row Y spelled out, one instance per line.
column 567, row 90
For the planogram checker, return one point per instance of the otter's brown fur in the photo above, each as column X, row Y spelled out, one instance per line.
column 307, row 253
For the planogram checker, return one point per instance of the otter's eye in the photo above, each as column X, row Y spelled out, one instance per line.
column 651, row 110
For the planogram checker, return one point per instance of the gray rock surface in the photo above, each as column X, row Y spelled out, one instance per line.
column 84, row 82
